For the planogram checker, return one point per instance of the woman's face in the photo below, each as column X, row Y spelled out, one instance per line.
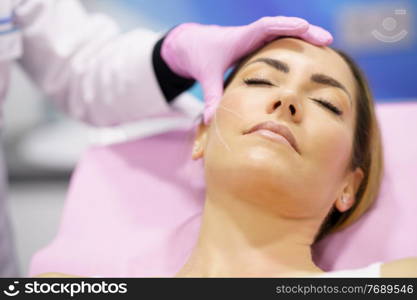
column 310, row 91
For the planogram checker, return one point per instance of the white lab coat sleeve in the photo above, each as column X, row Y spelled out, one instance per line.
column 86, row 66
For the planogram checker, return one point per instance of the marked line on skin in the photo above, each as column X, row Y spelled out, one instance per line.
column 218, row 132
column 217, row 127
column 231, row 111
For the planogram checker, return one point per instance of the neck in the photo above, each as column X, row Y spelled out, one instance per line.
column 240, row 239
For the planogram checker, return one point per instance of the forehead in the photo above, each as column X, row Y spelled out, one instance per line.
column 305, row 58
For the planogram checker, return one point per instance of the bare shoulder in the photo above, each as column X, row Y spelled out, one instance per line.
column 56, row 275
column 405, row 267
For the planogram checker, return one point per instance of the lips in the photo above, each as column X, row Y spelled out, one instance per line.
column 278, row 129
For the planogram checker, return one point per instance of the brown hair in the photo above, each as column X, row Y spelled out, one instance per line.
column 366, row 151
column 367, row 154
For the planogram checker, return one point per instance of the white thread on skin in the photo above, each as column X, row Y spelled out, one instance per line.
column 231, row 111
column 218, row 133
column 217, row 127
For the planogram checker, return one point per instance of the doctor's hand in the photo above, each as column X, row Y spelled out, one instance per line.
column 205, row 52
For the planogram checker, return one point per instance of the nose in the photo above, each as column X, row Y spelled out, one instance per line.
column 286, row 106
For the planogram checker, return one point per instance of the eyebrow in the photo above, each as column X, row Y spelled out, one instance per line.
column 277, row 64
column 317, row 78
column 327, row 80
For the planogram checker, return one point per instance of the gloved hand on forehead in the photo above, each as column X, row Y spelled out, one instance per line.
column 205, row 52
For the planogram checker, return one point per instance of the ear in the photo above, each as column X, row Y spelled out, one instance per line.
column 199, row 141
column 347, row 197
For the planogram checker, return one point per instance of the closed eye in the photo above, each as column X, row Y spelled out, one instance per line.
column 257, row 81
column 328, row 105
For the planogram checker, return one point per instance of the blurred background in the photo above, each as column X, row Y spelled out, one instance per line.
column 42, row 145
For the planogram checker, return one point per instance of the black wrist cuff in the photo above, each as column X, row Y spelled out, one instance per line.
column 170, row 83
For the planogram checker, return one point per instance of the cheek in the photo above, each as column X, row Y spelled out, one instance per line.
column 243, row 100
column 330, row 146
column 240, row 107
column 227, row 120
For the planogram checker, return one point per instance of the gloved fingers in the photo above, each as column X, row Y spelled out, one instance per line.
column 317, row 36
column 281, row 23
column 272, row 27
column 213, row 91
column 269, row 28
column 209, row 111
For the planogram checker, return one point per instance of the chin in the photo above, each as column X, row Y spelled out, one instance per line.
column 256, row 172
column 265, row 158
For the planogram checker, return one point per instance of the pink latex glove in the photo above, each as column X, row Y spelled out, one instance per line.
column 205, row 52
